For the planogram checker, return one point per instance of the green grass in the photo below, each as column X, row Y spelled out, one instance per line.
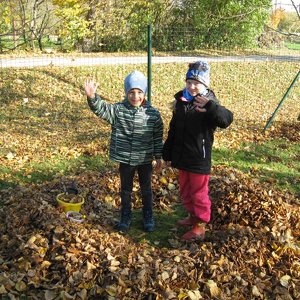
column 275, row 161
column 293, row 46
column 48, row 169
column 165, row 230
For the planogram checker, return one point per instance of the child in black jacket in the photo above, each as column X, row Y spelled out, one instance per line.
column 197, row 114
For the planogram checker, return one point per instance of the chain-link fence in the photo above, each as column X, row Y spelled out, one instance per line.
column 47, row 128
column 251, row 84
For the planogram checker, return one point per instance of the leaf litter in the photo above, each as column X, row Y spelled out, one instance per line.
column 252, row 248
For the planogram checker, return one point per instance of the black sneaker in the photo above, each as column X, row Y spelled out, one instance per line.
column 148, row 220
column 125, row 222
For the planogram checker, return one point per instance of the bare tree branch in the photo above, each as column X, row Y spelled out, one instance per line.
column 296, row 9
column 239, row 15
column 284, row 33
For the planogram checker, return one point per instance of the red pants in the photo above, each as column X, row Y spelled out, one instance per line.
column 194, row 194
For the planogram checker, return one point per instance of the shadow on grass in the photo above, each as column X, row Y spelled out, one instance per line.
column 167, row 234
column 165, row 227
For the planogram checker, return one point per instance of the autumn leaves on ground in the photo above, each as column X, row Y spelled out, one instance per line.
column 50, row 140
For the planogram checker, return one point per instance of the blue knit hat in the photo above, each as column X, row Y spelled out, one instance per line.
column 199, row 71
column 135, row 80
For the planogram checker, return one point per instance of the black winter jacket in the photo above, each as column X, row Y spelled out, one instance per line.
column 191, row 134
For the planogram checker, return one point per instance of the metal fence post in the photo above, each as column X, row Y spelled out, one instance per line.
column 280, row 103
column 149, row 75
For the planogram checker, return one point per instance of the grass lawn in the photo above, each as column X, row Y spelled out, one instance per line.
column 274, row 161
column 293, row 46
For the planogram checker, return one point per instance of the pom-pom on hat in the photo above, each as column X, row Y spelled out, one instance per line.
column 135, row 80
column 199, row 71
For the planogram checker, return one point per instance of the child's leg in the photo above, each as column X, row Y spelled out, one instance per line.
column 126, row 176
column 185, row 193
column 145, row 174
column 201, row 206
column 199, row 193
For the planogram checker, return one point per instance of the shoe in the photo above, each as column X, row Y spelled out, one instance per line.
column 125, row 222
column 189, row 221
column 197, row 233
column 149, row 224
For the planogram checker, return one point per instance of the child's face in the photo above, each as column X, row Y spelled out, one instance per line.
column 195, row 87
column 136, row 97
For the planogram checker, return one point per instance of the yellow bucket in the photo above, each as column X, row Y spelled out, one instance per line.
column 67, row 206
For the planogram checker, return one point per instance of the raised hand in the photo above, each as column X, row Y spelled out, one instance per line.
column 199, row 103
column 90, row 87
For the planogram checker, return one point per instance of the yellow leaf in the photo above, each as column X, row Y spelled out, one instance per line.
column 165, row 276
column 108, row 198
column 2, row 289
column 110, row 257
column 82, row 294
column 284, row 280
column 182, row 294
column 90, row 266
column 213, row 288
column 251, row 250
column 114, row 263
column 163, row 180
column 177, row 258
column 111, row 290
column 255, row 291
column 10, row 156
column 20, row 286
column 171, row 186
column 194, row 295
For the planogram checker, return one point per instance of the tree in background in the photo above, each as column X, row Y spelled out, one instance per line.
column 297, row 8
column 5, row 18
column 121, row 25
column 30, row 21
column 114, row 25
column 36, row 20
column 5, row 22
column 223, row 23
column 276, row 17
column 109, row 25
column 290, row 23
column 282, row 26
column 74, row 25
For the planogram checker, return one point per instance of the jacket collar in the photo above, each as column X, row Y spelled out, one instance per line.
column 179, row 95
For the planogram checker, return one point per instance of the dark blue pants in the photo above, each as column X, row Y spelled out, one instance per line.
column 127, row 173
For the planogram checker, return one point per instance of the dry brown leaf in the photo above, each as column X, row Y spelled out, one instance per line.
column 2, row 289
column 50, row 295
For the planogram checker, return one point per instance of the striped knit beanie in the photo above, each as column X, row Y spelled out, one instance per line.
column 199, row 71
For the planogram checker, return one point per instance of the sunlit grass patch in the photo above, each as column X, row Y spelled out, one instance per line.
column 275, row 161
column 48, row 169
column 293, row 46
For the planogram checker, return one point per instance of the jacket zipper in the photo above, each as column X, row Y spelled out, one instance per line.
column 203, row 148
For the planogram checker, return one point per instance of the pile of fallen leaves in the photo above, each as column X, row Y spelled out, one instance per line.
column 252, row 248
